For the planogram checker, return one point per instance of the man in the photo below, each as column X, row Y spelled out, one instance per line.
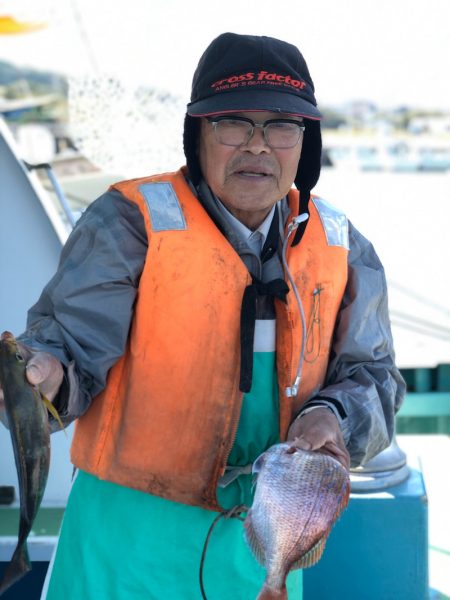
column 199, row 317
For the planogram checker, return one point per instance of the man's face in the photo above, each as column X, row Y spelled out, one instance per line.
column 249, row 179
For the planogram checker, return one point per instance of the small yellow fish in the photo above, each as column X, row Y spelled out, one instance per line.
column 299, row 495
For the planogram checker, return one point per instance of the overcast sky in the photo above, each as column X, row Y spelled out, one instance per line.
column 392, row 52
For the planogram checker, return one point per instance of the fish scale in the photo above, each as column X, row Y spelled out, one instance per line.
column 298, row 497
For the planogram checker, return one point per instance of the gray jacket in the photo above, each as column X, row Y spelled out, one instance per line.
column 84, row 314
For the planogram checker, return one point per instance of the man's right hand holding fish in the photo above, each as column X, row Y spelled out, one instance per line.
column 43, row 370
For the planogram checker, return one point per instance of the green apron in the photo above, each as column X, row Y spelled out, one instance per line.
column 117, row 543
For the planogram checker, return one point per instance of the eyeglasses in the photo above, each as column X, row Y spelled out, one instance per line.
column 238, row 131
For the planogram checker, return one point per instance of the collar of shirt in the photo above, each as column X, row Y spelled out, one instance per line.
column 255, row 239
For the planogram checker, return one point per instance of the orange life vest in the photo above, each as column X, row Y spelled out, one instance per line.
column 166, row 420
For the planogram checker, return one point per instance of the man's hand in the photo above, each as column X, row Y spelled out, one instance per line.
column 43, row 370
column 319, row 430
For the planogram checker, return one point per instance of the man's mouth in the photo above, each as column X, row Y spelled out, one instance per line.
column 253, row 173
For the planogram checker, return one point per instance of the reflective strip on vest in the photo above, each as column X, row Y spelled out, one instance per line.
column 334, row 223
column 164, row 207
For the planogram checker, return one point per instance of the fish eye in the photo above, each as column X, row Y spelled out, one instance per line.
column 19, row 357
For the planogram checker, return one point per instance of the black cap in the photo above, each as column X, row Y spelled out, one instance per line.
column 246, row 72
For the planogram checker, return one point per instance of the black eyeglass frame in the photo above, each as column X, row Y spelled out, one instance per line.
column 215, row 120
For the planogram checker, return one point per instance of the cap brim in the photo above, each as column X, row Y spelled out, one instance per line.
column 253, row 101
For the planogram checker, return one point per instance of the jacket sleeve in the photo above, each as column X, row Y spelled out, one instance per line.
column 84, row 313
column 363, row 386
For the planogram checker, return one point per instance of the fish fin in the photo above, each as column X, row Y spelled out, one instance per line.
column 312, row 556
column 345, row 498
column 52, row 410
column 258, row 463
column 16, row 569
column 252, row 539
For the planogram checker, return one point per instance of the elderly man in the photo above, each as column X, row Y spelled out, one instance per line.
column 199, row 317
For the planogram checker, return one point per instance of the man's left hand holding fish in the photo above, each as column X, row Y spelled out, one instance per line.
column 319, row 430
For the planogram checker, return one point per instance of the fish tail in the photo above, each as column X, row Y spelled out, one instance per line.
column 268, row 593
column 16, row 569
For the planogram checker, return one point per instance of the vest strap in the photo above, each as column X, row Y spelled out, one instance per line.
column 277, row 288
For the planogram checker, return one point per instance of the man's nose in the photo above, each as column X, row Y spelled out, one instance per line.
column 257, row 143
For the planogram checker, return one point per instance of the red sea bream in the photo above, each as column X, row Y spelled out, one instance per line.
column 299, row 495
